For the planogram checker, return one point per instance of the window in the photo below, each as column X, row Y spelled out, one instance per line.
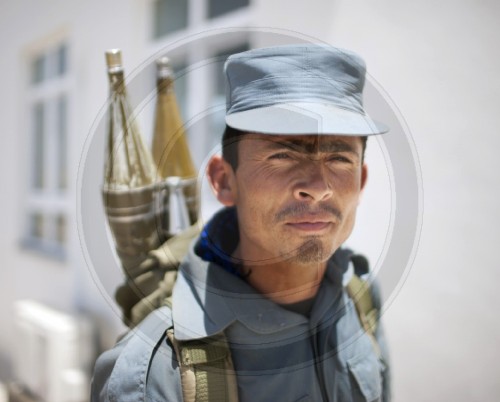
column 170, row 16
column 220, row 7
column 46, row 159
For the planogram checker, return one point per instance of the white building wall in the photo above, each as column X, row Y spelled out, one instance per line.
column 90, row 29
column 438, row 61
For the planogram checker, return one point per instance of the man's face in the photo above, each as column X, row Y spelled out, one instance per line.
column 296, row 196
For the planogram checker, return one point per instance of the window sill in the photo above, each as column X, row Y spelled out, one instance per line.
column 48, row 250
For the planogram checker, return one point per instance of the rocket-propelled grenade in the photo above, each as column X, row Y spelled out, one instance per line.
column 171, row 154
column 130, row 177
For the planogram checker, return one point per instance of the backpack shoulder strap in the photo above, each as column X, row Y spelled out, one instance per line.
column 360, row 292
column 207, row 371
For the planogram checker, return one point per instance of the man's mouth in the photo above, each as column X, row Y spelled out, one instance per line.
column 310, row 226
column 300, row 213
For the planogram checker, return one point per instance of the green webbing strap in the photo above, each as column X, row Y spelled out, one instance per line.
column 359, row 292
column 150, row 283
column 207, row 372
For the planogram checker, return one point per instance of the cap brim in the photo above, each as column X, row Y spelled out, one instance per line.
column 304, row 118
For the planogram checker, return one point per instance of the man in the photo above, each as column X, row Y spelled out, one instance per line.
column 264, row 285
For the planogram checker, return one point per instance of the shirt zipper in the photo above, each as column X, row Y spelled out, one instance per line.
column 317, row 366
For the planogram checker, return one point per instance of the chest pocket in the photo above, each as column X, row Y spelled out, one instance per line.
column 365, row 377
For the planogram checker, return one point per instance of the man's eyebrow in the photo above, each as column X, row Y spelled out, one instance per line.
column 311, row 147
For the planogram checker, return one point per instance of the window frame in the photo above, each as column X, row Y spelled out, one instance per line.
column 198, row 19
column 49, row 201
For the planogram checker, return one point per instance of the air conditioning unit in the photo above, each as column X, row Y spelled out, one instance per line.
column 55, row 352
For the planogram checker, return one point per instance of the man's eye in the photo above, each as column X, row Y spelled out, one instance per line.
column 339, row 158
column 280, row 155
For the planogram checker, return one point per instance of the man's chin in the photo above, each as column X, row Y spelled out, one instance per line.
column 312, row 251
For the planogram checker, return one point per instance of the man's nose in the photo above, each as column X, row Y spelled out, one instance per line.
column 313, row 183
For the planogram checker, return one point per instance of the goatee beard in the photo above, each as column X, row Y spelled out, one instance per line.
column 309, row 252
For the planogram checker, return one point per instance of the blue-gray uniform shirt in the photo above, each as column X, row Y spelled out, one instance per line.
column 278, row 355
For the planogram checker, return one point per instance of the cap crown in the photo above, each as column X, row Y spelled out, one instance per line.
column 268, row 88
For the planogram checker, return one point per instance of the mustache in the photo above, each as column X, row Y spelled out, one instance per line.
column 300, row 210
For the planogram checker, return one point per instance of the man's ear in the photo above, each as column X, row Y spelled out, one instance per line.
column 364, row 176
column 364, row 179
column 222, row 180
